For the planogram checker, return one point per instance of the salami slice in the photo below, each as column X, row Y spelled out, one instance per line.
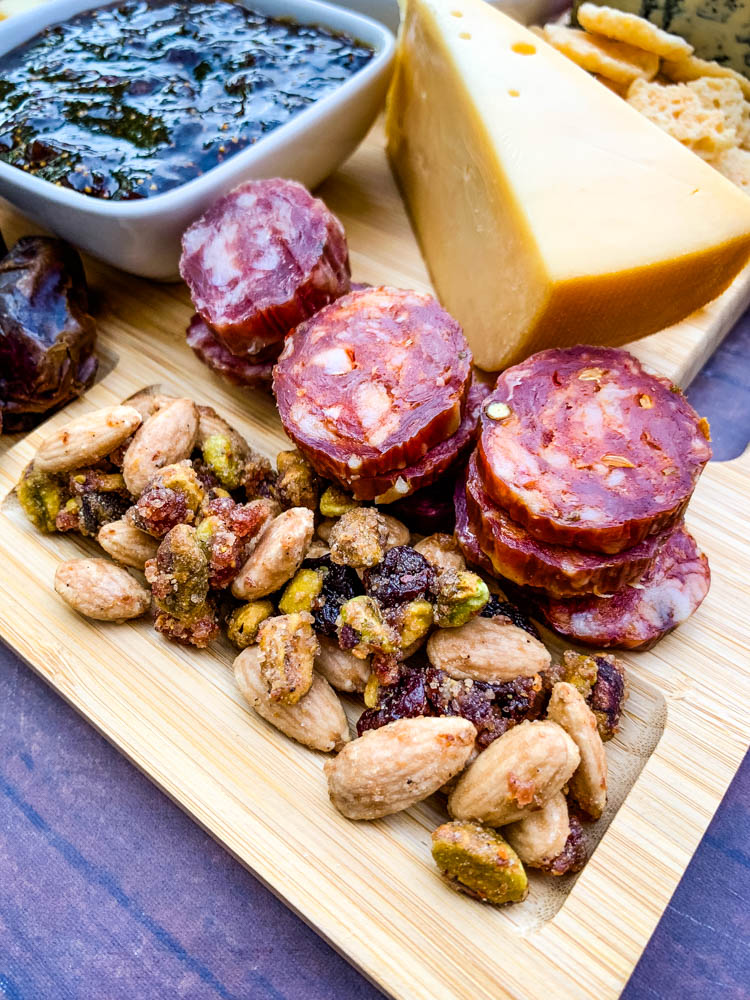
column 433, row 464
column 584, row 448
column 638, row 615
column 372, row 382
column 561, row 571
column 262, row 259
column 465, row 536
column 237, row 370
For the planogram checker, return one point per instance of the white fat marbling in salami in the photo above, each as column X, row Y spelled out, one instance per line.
column 262, row 259
column 637, row 616
column 584, row 448
column 373, row 381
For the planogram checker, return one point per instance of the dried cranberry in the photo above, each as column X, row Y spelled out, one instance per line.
column 572, row 858
column 403, row 575
column 405, row 700
column 340, row 583
column 496, row 608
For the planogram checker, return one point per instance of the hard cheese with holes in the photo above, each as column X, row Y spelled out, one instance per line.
column 549, row 212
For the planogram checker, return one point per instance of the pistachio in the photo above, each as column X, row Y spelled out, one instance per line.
column 415, row 621
column 317, row 720
column 389, row 769
column 244, row 622
column 87, row 439
column 487, row 649
column 301, row 591
column 97, row 588
column 288, row 647
column 41, row 497
column 336, row 502
column 297, row 483
column 460, row 597
column 359, row 538
column 361, row 628
column 515, row 775
column 477, row 861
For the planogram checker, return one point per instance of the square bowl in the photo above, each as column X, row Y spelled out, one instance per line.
column 143, row 237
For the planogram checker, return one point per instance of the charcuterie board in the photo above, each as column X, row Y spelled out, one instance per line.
column 370, row 889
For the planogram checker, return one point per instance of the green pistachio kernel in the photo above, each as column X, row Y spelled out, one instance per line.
column 301, row 591
column 416, row 620
column 244, row 622
column 223, row 460
column 461, row 596
column 40, row 496
column 336, row 502
column 477, row 861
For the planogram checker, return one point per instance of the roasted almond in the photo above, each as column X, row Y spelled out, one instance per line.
column 148, row 401
column 487, row 649
column 127, row 544
column 539, row 837
column 588, row 786
column 317, row 720
column 87, row 439
column 97, row 588
column 516, row 774
column 340, row 667
column 389, row 769
column 277, row 556
column 168, row 436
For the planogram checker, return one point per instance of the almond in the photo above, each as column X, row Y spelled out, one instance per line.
column 539, row 837
column 148, row 401
column 487, row 649
column 97, row 588
column 87, row 439
column 317, row 720
column 277, row 555
column 588, row 786
column 340, row 667
column 389, row 769
column 127, row 544
column 516, row 774
column 165, row 438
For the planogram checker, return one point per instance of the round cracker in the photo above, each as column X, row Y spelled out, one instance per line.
column 622, row 26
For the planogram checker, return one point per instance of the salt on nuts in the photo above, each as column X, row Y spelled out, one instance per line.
column 87, row 439
column 340, row 667
column 516, row 774
column 358, row 539
column 389, row 769
column 97, row 588
column 168, row 436
column 317, row 720
column 288, row 646
column 277, row 555
column 485, row 649
column 541, row 836
column 442, row 551
column 588, row 786
column 127, row 544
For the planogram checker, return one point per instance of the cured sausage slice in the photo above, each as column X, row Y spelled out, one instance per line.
column 584, row 448
column 637, row 616
column 434, row 464
column 261, row 260
column 561, row 571
column 465, row 536
column 237, row 370
column 372, row 382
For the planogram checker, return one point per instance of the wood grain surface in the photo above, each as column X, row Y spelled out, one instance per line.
column 370, row 888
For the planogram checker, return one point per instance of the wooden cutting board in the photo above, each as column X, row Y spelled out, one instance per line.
column 370, row 889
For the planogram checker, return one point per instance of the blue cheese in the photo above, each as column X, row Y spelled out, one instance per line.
column 717, row 29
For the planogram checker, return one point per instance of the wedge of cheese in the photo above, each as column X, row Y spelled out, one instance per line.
column 549, row 211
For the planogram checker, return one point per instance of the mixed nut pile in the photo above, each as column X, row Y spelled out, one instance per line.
column 321, row 593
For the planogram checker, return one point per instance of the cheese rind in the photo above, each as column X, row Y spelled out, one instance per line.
column 549, row 212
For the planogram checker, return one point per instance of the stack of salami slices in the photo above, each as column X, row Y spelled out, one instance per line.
column 577, row 490
column 376, row 391
column 261, row 260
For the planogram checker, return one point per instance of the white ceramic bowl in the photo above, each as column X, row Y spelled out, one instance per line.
column 143, row 237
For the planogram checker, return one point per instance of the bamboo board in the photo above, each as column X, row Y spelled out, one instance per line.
column 370, row 889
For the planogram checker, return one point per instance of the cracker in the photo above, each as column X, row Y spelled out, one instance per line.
column 725, row 94
column 735, row 165
column 679, row 111
column 632, row 29
column 617, row 61
column 693, row 68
